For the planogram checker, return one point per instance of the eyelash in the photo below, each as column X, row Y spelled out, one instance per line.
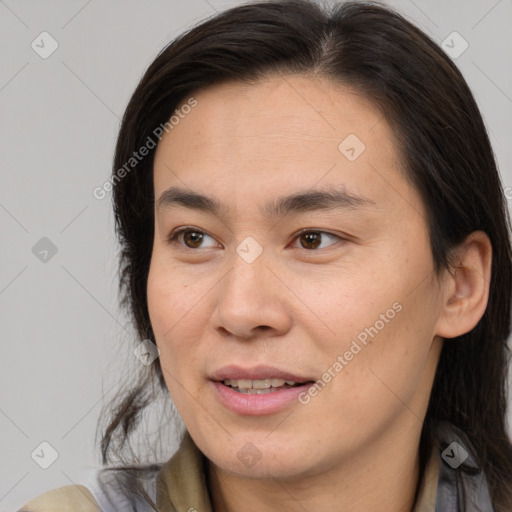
column 172, row 238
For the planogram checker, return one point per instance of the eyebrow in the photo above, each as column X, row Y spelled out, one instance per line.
column 330, row 198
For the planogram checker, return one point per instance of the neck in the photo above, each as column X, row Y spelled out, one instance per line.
column 383, row 477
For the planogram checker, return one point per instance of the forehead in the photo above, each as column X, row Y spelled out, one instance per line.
column 279, row 134
column 280, row 110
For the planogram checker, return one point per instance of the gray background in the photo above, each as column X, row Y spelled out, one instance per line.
column 64, row 341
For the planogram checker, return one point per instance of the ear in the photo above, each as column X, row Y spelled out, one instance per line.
column 466, row 286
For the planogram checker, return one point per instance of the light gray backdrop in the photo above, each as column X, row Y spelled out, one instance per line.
column 63, row 338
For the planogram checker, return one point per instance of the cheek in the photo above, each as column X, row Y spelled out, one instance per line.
column 172, row 297
column 379, row 317
column 344, row 302
column 175, row 309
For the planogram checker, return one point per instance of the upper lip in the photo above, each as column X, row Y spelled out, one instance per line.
column 235, row 372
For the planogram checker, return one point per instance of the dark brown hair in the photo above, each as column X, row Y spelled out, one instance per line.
column 447, row 158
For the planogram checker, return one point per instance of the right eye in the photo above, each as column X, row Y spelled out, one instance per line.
column 189, row 237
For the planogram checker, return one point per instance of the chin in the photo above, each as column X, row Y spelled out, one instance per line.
column 261, row 460
column 271, row 469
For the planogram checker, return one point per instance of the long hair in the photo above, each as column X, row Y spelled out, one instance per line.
column 447, row 157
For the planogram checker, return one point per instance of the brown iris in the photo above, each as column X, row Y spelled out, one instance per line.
column 312, row 238
column 194, row 237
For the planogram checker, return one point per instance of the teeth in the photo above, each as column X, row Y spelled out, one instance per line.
column 243, row 383
column 256, row 391
column 257, row 385
column 261, row 384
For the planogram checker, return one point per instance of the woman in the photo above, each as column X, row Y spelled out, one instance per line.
column 314, row 236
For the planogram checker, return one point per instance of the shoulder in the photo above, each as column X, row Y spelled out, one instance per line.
column 76, row 498
column 109, row 490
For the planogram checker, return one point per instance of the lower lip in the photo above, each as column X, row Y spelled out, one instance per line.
column 256, row 405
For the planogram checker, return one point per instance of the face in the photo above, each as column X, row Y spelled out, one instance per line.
column 332, row 289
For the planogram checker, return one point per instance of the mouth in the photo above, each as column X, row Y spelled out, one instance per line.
column 260, row 386
column 258, row 391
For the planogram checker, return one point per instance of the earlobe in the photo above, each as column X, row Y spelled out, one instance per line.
column 466, row 286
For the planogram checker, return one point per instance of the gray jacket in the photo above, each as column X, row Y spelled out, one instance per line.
column 462, row 486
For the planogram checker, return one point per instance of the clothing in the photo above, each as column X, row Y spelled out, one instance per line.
column 180, row 484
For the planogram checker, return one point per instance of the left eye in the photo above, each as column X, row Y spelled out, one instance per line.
column 313, row 239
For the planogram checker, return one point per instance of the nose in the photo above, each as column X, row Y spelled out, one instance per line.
column 252, row 302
